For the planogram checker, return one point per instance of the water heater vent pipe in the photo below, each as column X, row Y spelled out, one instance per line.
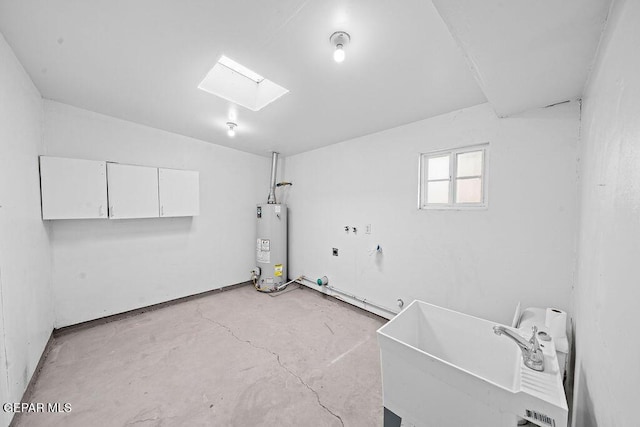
column 272, row 188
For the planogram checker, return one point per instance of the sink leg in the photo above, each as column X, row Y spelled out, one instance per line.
column 391, row 419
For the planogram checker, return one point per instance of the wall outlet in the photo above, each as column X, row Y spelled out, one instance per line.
column 367, row 229
column 335, row 251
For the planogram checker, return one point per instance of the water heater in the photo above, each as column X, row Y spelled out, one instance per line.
column 271, row 246
column 270, row 273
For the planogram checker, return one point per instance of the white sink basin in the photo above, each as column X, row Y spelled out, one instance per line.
column 444, row 368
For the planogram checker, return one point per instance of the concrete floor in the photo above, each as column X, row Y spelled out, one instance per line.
column 236, row 358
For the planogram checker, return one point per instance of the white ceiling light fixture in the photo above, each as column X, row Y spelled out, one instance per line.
column 339, row 39
column 232, row 129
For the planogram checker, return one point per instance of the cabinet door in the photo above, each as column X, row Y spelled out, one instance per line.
column 179, row 192
column 73, row 188
column 133, row 191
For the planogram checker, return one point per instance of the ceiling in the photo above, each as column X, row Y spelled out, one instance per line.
column 527, row 54
column 142, row 61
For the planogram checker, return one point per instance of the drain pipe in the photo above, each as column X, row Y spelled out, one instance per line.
column 323, row 281
column 272, row 189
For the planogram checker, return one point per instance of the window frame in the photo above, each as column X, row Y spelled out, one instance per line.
column 453, row 153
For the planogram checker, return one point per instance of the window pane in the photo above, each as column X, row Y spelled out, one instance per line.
column 438, row 192
column 438, row 167
column 469, row 190
column 469, row 164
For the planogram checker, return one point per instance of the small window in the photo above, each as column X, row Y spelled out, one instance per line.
column 454, row 179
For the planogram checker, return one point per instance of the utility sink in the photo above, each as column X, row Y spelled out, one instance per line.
column 444, row 368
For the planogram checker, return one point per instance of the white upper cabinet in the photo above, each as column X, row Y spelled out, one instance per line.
column 133, row 191
column 179, row 192
column 73, row 188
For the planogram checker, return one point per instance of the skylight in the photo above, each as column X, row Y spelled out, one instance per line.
column 236, row 83
column 240, row 69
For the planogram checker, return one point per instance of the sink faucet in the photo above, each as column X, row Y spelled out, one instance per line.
column 531, row 351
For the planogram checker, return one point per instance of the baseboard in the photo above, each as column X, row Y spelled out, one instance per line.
column 55, row 333
column 26, row 396
column 345, row 302
column 137, row 311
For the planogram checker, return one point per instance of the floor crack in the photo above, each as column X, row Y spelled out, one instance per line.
column 143, row 420
column 328, row 327
column 277, row 357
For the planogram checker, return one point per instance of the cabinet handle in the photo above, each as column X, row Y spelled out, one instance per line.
column 100, row 211
column 111, row 211
column 161, row 210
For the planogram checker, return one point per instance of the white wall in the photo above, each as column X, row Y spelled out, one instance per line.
column 26, row 306
column 479, row 262
column 608, row 289
column 103, row 267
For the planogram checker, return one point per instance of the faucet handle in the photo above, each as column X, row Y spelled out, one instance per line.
column 535, row 344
